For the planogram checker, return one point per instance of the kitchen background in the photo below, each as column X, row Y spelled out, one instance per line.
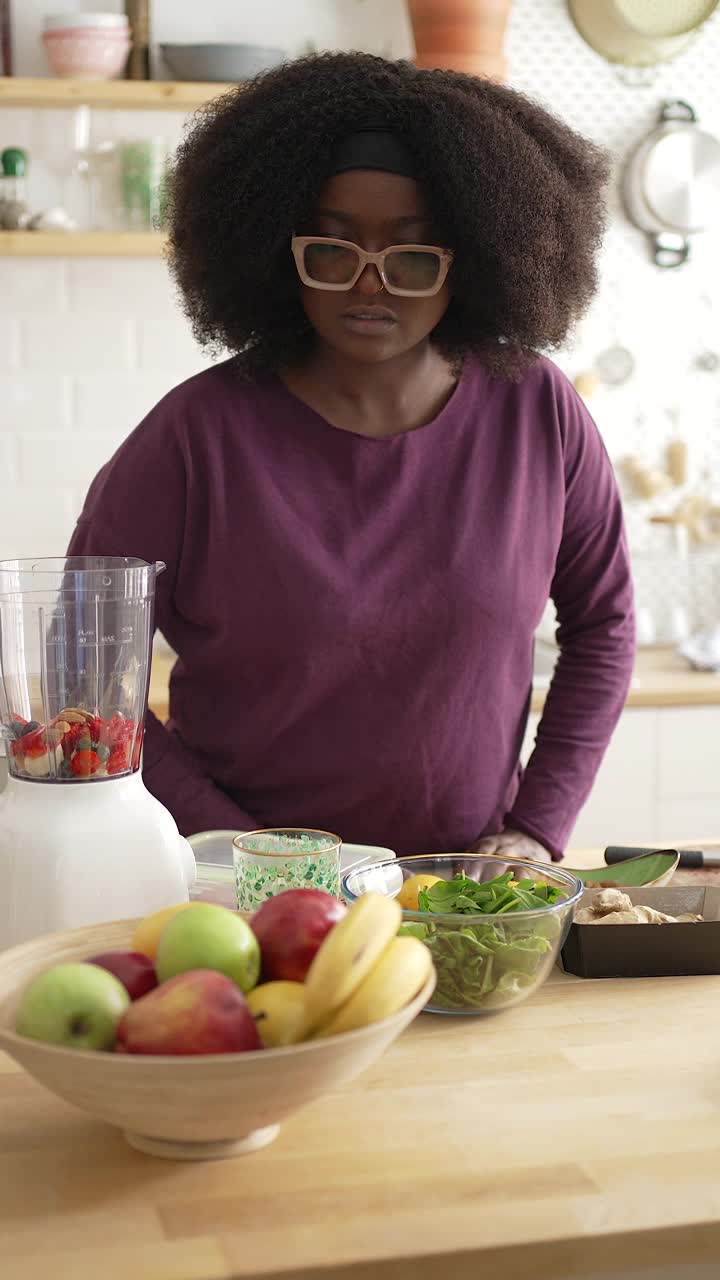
column 88, row 344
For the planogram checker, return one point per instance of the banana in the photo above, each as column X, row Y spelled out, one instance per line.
column 401, row 971
column 347, row 955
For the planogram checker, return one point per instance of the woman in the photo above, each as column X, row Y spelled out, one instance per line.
column 365, row 509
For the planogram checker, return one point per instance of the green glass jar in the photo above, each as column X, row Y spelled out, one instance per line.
column 269, row 862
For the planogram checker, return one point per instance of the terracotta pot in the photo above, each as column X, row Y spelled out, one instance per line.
column 461, row 35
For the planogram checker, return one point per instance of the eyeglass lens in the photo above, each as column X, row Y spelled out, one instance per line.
column 330, row 263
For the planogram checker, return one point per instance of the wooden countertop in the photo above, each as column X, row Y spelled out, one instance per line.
column 577, row 1135
column 662, row 679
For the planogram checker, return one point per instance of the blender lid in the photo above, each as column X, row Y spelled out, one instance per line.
column 78, row 574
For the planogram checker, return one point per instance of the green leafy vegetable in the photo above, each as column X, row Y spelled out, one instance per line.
column 488, row 964
column 490, row 897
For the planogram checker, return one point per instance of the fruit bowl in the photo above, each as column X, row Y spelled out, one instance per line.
column 484, row 962
column 183, row 1108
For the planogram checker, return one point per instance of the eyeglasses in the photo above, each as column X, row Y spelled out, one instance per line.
column 410, row 270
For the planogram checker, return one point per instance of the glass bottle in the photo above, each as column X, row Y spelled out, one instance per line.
column 14, row 208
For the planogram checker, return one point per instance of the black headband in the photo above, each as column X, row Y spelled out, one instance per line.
column 373, row 146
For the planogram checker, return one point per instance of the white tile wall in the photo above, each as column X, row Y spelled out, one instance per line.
column 41, row 400
column 7, row 465
column 141, row 285
column 9, row 342
column 83, row 340
column 87, row 347
column 32, row 286
column 167, row 343
column 113, row 400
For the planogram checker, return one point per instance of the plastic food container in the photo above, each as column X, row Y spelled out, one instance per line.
column 215, row 872
column 484, row 963
column 89, row 46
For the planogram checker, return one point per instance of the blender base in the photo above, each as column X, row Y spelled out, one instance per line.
column 83, row 853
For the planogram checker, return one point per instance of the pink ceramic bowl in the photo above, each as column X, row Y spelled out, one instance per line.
column 89, row 53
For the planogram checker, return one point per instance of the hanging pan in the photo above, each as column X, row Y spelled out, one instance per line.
column 671, row 183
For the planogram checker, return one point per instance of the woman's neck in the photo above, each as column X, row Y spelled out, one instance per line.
column 378, row 400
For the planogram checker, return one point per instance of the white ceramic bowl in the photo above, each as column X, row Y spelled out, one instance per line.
column 194, row 1108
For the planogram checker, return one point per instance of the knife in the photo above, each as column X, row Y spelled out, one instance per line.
column 688, row 857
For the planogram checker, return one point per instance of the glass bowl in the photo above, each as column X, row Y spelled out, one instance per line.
column 484, row 963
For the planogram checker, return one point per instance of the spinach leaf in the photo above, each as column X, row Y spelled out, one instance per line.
column 488, row 964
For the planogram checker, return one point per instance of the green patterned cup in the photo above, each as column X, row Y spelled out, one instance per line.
column 269, row 862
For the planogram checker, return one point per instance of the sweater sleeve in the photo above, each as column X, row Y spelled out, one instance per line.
column 136, row 507
column 593, row 596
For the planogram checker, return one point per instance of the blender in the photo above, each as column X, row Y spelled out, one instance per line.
column 81, row 839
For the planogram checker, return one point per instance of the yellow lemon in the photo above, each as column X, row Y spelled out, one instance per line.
column 279, row 1012
column 147, row 935
column 408, row 895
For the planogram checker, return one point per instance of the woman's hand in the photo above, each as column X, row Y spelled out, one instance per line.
column 506, row 844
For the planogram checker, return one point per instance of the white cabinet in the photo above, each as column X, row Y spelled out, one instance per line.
column 659, row 781
column 689, row 772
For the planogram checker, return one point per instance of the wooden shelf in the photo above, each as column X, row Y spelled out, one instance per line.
column 81, row 244
column 144, row 95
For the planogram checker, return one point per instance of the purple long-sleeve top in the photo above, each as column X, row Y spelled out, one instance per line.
column 354, row 617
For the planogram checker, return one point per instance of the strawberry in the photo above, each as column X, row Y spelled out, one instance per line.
column 32, row 748
column 121, row 730
column 96, row 729
column 119, row 761
column 35, row 744
column 85, row 763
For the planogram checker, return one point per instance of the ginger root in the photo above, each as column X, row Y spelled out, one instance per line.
column 610, row 906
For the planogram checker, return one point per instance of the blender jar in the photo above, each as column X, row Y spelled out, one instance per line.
column 75, row 653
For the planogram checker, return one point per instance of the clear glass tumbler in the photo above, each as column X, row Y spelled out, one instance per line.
column 269, row 862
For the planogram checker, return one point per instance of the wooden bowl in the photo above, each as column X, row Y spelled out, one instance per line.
column 193, row 1108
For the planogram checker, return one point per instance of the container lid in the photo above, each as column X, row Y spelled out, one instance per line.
column 14, row 162
column 71, row 21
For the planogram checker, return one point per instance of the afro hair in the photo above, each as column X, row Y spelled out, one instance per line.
column 516, row 194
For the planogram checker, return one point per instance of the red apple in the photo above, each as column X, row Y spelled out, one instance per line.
column 132, row 968
column 200, row 1011
column 290, row 928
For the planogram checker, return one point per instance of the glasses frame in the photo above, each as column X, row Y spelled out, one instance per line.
column 377, row 260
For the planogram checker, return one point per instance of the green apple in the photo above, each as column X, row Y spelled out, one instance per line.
column 75, row 1005
column 209, row 937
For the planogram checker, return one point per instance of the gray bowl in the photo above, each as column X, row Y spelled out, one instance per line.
column 220, row 63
